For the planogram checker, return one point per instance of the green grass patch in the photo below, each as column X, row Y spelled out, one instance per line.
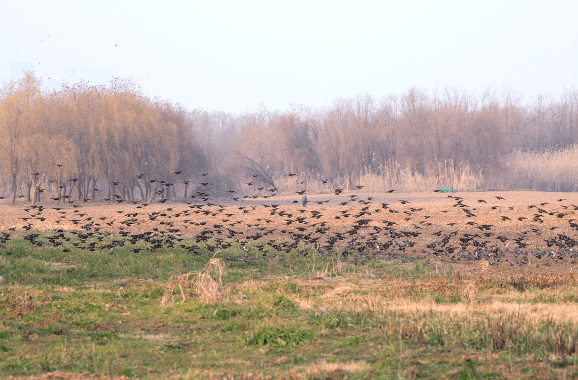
column 278, row 336
column 282, row 313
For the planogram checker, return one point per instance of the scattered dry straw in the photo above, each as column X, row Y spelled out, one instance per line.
column 208, row 285
column 326, row 370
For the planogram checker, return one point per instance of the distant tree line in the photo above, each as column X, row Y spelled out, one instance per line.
column 415, row 132
column 70, row 142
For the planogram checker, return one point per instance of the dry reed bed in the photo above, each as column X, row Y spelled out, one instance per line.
column 541, row 171
column 548, row 171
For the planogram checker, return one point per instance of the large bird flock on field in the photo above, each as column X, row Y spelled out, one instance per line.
column 452, row 227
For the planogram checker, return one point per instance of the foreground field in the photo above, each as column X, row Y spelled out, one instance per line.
column 188, row 295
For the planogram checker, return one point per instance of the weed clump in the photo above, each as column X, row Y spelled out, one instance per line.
column 208, row 285
column 278, row 336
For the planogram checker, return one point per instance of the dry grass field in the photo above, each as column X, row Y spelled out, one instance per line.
column 408, row 285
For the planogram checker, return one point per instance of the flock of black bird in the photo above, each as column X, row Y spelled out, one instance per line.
column 358, row 229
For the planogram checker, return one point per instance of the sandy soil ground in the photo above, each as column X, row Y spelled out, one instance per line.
column 508, row 232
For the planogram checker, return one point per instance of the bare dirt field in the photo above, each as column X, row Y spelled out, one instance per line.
column 514, row 232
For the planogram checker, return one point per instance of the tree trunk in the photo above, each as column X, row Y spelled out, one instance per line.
column 29, row 185
column 112, row 191
column 61, row 190
column 94, row 181
column 14, row 189
column 69, row 196
column 142, row 195
column 34, row 189
column 152, row 194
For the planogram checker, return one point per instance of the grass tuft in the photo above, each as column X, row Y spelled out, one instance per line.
column 278, row 336
column 208, row 284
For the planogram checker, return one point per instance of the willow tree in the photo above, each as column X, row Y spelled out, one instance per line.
column 18, row 101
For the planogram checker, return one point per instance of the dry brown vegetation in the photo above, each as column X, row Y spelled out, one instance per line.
column 68, row 143
column 114, row 143
column 208, row 284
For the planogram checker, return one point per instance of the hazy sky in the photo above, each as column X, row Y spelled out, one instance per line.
column 234, row 55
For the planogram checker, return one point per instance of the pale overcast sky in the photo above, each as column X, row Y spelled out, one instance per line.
column 235, row 55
